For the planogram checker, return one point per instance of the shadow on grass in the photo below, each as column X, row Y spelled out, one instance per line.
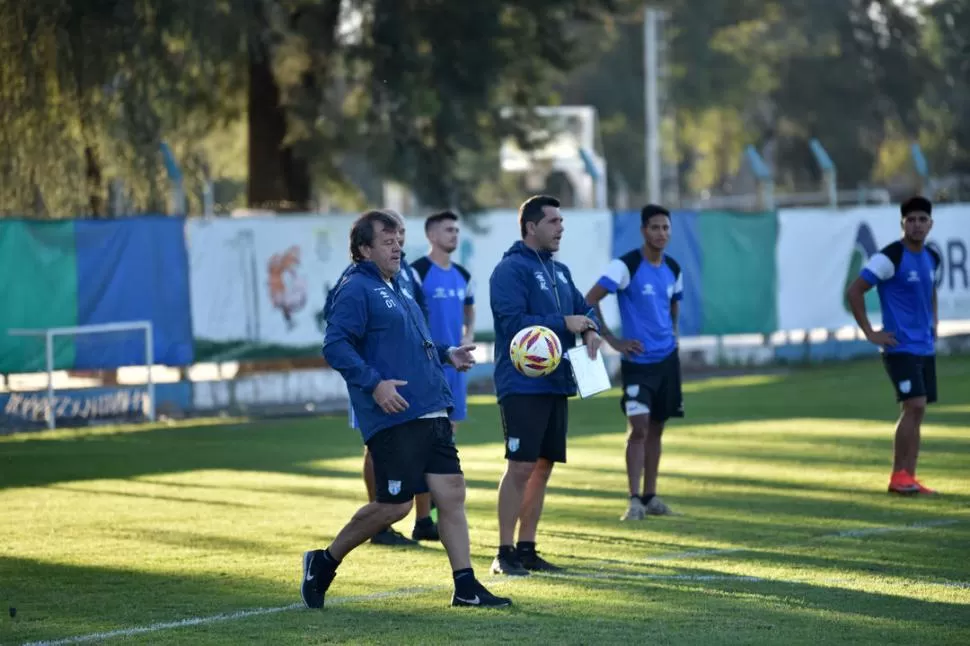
column 297, row 446
column 679, row 606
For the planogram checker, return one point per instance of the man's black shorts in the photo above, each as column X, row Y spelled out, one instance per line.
column 535, row 427
column 912, row 375
column 652, row 389
column 403, row 454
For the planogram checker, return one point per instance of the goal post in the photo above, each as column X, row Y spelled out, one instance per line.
column 50, row 334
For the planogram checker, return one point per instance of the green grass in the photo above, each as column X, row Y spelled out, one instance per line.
column 122, row 528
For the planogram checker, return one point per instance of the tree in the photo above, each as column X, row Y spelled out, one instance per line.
column 89, row 89
column 416, row 86
column 770, row 73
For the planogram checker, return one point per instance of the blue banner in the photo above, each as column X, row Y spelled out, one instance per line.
column 133, row 269
column 684, row 247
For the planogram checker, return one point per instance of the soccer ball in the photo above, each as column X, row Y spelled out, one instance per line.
column 535, row 351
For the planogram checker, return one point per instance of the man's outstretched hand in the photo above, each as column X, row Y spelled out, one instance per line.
column 461, row 357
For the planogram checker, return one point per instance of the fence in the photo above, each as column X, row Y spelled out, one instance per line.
column 759, row 288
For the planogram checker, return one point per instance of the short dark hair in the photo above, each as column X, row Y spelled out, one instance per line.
column 651, row 210
column 440, row 216
column 916, row 203
column 362, row 233
column 531, row 210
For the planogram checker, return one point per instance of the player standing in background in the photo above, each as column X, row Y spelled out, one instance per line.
column 528, row 287
column 905, row 273
column 380, row 344
column 450, row 297
column 649, row 287
column 424, row 526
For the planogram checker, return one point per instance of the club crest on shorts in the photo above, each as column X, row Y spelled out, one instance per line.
column 513, row 444
column 905, row 386
column 394, row 487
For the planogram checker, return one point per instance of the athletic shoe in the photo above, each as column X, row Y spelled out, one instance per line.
column 903, row 484
column 316, row 579
column 479, row 597
column 656, row 507
column 635, row 511
column 428, row 533
column 532, row 562
column 925, row 491
column 392, row 537
column 509, row 565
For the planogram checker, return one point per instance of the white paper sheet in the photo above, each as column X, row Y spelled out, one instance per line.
column 591, row 375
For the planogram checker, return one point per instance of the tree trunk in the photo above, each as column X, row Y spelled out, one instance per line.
column 278, row 179
column 95, row 188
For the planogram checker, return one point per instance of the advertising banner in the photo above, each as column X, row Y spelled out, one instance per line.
column 259, row 284
column 820, row 252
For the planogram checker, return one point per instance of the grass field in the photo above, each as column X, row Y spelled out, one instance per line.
column 193, row 534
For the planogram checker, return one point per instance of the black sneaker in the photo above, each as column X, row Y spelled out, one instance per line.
column 532, row 562
column 508, row 564
column 427, row 533
column 479, row 597
column 392, row 537
column 316, row 579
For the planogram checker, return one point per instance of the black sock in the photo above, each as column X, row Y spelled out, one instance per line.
column 506, row 550
column 464, row 580
column 424, row 522
column 329, row 561
column 647, row 497
column 525, row 546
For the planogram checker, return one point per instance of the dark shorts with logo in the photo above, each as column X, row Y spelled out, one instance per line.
column 535, row 427
column 652, row 389
column 912, row 375
column 405, row 453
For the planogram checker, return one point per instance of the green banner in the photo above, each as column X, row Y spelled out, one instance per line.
column 739, row 271
column 38, row 289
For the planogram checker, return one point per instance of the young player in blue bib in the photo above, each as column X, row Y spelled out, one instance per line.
column 649, row 286
column 449, row 295
column 904, row 275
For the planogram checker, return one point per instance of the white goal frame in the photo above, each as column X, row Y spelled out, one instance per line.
column 50, row 333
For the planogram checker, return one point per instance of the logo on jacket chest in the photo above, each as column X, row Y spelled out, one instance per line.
column 385, row 294
column 541, row 280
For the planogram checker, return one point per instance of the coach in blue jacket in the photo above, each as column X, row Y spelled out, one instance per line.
column 424, row 526
column 528, row 288
column 378, row 340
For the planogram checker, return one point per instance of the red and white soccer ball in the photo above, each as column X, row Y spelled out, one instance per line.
column 535, row 351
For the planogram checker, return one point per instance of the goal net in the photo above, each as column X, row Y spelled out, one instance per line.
column 71, row 376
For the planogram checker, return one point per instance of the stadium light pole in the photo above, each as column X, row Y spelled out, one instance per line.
column 651, row 100
column 175, row 177
column 920, row 165
column 766, row 183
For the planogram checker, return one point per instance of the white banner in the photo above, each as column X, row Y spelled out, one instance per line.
column 585, row 249
column 820, row 252
column 264, row 279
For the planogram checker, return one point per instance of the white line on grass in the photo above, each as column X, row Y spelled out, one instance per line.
column 849, row 533
column 227, row 616
column 676, row 556
column 739, row 578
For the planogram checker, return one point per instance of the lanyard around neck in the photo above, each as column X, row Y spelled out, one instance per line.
column 552, row 278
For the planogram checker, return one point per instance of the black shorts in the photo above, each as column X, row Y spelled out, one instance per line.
column 535, row 427
column 652, row 389
column 403, row 454
column 912, row 375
